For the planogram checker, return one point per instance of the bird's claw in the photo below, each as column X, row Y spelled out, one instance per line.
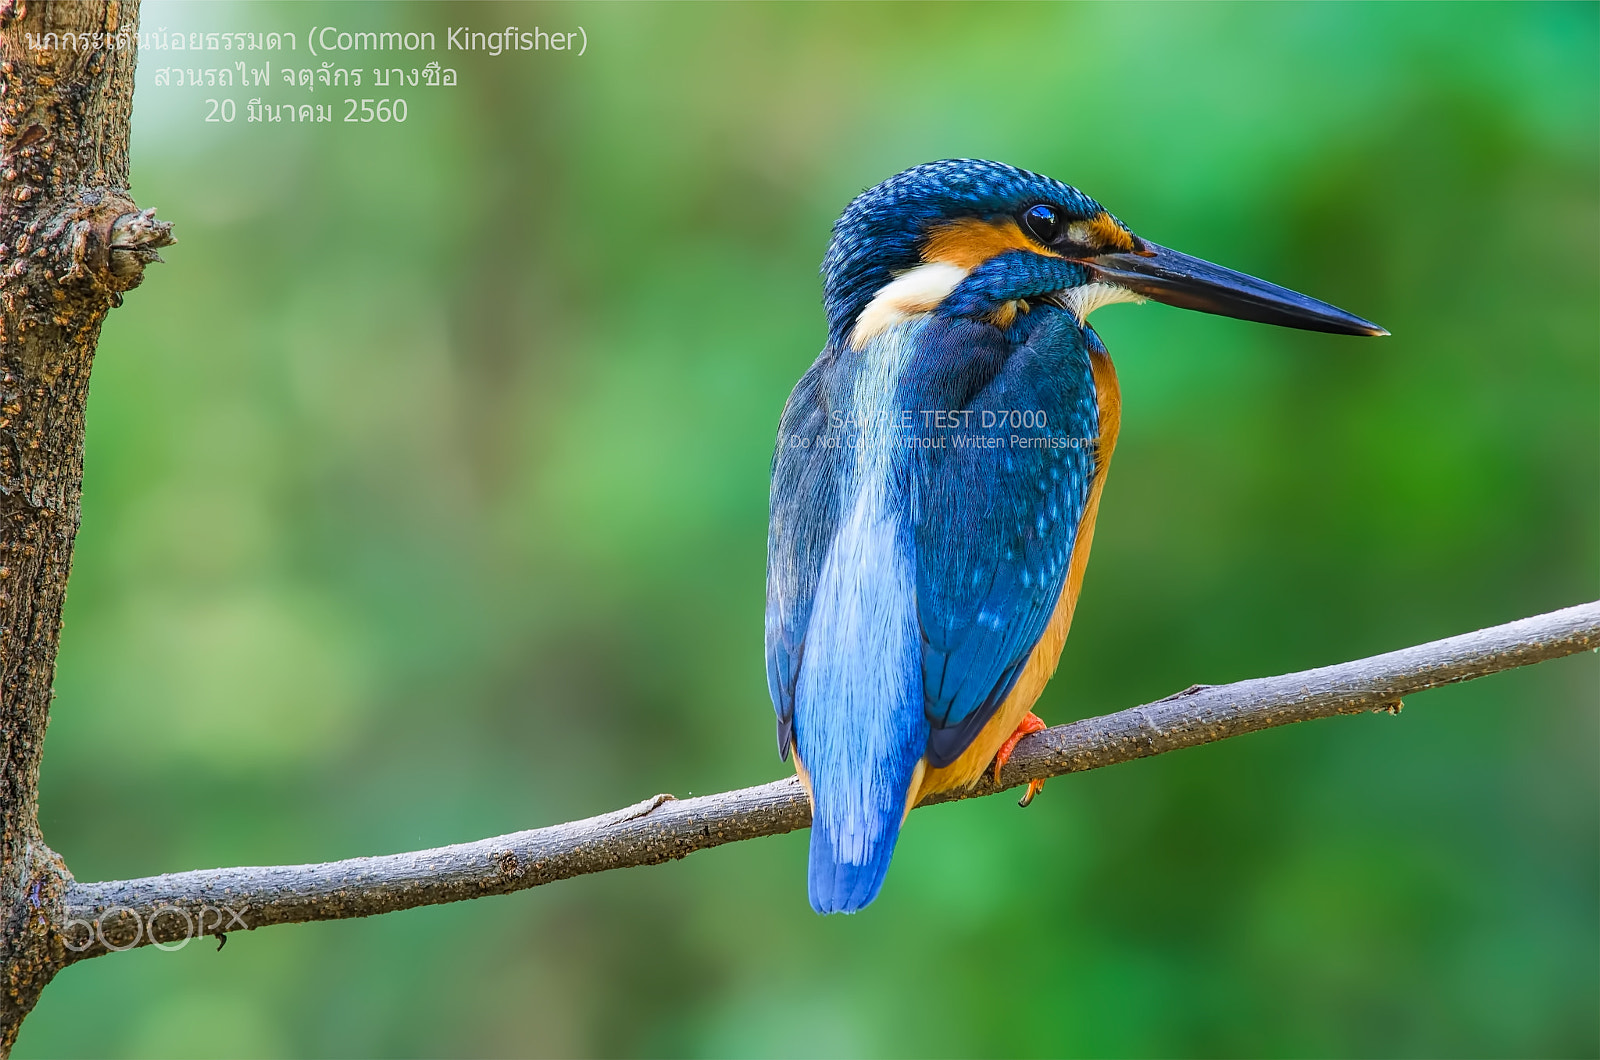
column 1034, row 787
column 1030, row 724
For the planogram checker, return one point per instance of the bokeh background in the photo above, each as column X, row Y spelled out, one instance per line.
column 426, row 499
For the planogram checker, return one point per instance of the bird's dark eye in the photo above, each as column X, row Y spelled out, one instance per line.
column 1043, row 222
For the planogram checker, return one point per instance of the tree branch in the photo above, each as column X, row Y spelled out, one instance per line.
column 169, row 910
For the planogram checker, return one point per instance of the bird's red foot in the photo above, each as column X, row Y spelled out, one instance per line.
column 1032, row 723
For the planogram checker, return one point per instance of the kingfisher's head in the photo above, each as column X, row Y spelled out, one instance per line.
column 974, row 238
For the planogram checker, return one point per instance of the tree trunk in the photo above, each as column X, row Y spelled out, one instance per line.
column 71, row 241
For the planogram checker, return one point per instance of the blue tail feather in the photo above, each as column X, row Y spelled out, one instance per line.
column 837, row 886
column 859, row 724
column 859, row 731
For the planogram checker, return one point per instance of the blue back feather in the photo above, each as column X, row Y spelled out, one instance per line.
column 996, row 526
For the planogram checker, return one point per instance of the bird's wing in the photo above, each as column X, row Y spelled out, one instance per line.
column 996, row 523
column 803, row 515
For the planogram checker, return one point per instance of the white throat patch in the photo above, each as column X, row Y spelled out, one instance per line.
column 1081, row 301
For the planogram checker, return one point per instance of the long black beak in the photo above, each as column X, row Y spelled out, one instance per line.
column 1190, row 283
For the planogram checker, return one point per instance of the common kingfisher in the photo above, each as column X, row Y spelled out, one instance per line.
column 935, row 484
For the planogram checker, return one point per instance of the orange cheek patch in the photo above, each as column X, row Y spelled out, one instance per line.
column 971, row 241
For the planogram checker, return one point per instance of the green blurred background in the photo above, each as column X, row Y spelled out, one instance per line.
column 426, row 496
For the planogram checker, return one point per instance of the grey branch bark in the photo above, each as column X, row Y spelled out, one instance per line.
column 71, row 242
column 169, row 910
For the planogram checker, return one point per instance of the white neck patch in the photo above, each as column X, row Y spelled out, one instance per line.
column 917, row 290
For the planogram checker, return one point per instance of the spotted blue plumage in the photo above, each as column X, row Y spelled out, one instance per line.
column 996, row 522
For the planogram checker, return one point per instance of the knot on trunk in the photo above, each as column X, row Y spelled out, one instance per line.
column 134, row 239
column 101, row 238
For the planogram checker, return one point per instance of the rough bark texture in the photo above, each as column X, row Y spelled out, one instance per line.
column 171, row 910
column 71, row 241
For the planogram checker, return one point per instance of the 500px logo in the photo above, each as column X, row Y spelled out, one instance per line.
column 168, row 927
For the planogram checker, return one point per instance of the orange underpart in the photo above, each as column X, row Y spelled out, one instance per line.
column 1031, row 723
